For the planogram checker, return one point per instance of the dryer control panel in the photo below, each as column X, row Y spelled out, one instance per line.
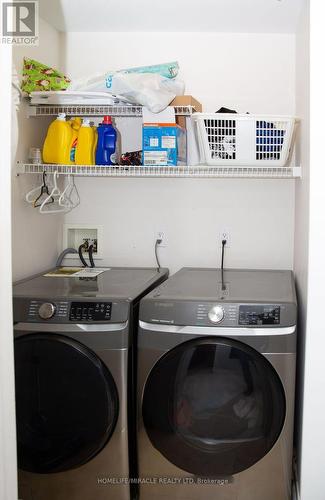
column 223, row 314
column 259, row 315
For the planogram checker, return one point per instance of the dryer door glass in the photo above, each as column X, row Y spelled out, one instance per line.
column 66, row 403
column 213, row 406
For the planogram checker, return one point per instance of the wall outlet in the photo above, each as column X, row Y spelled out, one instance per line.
column 224, row 235
column 161, row 235
column 75, row 235
column 223, row 290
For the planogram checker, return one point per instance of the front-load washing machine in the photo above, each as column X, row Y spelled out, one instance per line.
column 74, row 368
column 216, row 384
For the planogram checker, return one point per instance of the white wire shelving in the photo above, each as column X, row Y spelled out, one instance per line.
column 35, row 110
column 143, row 171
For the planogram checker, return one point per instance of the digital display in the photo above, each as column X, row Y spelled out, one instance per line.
column 90, row 311
column 259, row 315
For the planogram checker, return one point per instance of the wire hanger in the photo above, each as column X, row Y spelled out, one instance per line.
column 70, row 197
column 55, row 193
column 44, row 191
column 49, row 193
column 31, row 196
column 74, row 194
column 64, row 199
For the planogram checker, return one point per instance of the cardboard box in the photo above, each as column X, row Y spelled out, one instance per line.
column 185, row 100
column 163, row 144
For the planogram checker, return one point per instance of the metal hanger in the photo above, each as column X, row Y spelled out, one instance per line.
column 70, row 197
column 55, row 194
column 44, row 191
column 65, row 200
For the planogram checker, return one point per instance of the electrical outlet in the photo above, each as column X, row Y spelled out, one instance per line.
column 75, row 235
column 161, row 235
column 224, row 235
column 223, row 290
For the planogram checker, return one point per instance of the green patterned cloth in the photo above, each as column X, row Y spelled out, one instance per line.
column 38, row 76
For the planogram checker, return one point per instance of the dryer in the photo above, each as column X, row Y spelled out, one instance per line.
column 74, row 383
column 216, row 384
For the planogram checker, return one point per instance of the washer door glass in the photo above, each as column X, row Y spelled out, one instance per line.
column 213, row 406
column 66, row 403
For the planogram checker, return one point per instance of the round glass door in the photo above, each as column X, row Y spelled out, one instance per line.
column 66, row 403
column 213, row 406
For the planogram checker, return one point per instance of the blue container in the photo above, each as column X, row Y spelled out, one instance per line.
column 163, row 145
column 106, row 144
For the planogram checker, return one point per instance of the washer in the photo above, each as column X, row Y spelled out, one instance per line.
column 216, row 384
column 74, row 364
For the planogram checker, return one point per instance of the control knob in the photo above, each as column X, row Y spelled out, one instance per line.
column 46, row 310
column 216, row 314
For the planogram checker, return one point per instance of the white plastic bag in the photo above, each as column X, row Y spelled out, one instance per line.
column 147, row 89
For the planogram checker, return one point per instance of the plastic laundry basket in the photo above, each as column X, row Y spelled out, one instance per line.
column 243, row 139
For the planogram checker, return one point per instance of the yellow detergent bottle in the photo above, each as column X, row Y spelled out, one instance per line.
column 75, row 124
column 95, row 142
column 57, row 144
column 86, row 146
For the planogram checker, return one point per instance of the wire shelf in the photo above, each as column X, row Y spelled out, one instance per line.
column 143, row 171
column 97, row 110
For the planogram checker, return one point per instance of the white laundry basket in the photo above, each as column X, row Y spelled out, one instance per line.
column 244, row 139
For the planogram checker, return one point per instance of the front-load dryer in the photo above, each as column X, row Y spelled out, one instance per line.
column 74, row 387
column 216, row 384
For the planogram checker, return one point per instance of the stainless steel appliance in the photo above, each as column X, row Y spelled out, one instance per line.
column 216, row 384
column 74, row 383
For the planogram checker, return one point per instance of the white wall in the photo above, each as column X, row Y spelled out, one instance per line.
column 302, row 210
column 8, row 472
column 313, row 436
column 34, row 237
column 245, row 72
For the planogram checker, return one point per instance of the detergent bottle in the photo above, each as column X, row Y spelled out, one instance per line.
column 57, row 144
column 75, row 124
column 106, row 144
column 95, row 142
column 85, row 151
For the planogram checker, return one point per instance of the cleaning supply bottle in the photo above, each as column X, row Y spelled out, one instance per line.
column 57, row 144
column 95, row 141
column 75, row 124
column 106, row 145
column 85, row 151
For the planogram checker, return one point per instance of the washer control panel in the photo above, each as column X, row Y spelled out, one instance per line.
column 90, row 311
column 62, row 311
column 259, row 315
column 47, row 310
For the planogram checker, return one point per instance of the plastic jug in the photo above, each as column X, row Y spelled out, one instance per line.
column 86, row 147
column 106, row 145
column 87, row 139
column 57, row 144
column 75, row 124
column 95, row 142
